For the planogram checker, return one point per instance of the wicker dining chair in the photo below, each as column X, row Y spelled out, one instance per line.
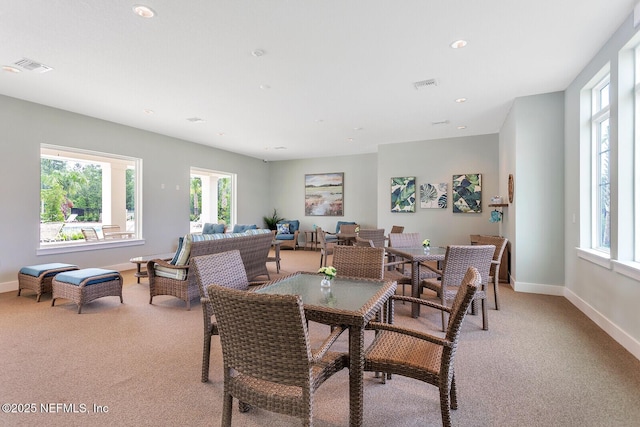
column 421, row 356
column 224, row 269
column 268, row 362
column 408, row 240
column 358, row 261
column 500, row 243
column 457, row 260
column 326, row 248
column 376, row 235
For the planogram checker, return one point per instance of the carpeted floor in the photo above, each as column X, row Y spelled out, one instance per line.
column 542, row 363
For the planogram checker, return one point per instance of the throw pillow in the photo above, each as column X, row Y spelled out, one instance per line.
column 283, row 229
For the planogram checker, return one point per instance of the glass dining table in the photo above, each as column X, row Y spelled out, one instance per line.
column 416, row 256
column 350, row 302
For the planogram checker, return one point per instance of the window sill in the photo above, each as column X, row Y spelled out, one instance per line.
column 599, row 258
column 630, row 269
column 82, row 247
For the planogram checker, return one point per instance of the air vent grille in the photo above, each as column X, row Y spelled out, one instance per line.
column 195, row 120
column 425, row 84
column 29, row 65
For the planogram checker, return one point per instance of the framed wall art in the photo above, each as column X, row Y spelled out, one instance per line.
column 433, row 196
column 323, row 194
column 467, row 193
column 403, row 194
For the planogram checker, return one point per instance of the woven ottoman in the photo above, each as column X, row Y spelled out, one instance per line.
column 38, row 278
column 85, row 285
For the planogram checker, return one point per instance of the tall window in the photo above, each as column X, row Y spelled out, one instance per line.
column 601, row 184
column 82, row 189
column 212, row 198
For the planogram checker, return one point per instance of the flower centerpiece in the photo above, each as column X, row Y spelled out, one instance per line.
column 329, row 273
column 426, row 243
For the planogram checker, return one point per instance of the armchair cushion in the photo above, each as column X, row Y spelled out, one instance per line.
column 241, row 228
column 283, row 228
column 210, row 228
column 294, row 225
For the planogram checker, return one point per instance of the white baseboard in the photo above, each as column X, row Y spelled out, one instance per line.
column 537, row 288
column 624, row 339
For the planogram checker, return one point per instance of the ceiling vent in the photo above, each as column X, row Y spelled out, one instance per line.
column 29, row 65
column 425, row 84
column 195, row 120
column 440, row 122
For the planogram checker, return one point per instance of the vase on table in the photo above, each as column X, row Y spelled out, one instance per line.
column 326, row 281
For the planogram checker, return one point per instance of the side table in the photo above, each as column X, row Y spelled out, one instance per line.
column 139, row 260
column 276, row 258
column 311, row 239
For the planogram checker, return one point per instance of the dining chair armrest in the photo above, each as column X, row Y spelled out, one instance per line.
column 318, row 353
column 435, row 270
column 377, row 326
column 422, row 302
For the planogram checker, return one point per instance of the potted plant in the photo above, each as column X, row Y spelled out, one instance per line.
column 271, row 221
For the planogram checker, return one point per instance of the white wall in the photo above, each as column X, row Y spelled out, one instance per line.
column 165, row 161
column 601, row 291
column 360, row 201
column 436, row 161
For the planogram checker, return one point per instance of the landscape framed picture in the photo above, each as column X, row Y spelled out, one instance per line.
column 467, row 193
column 403, row 194
column 323, row 194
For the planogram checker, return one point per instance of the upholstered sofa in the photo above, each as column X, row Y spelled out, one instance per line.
column 175, row 277
column 287, row 233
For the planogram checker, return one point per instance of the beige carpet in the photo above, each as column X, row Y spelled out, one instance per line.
column 542, row 363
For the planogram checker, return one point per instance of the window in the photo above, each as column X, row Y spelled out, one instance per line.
column 82, row 189
column 212, row 198
column 601, row 174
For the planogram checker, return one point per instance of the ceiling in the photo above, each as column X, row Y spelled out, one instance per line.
column 334, row 77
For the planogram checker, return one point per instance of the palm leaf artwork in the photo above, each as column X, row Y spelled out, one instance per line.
column 467, row 193
column 403, row 194
column 433, row 196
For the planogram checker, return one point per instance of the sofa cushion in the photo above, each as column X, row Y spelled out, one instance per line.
column 177, row 254
column 210, row 228
column 285, row 236
column 241, row 228
column 170, row 273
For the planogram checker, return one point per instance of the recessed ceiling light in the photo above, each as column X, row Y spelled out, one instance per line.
column 265, row 87
column 147, row 111
column 220, row 133
column 461, row 100
column 458, row 44
column 10, row 69
column 350, row 139
column 257, row 52
column 319, row 120
column 143, row 11
column 358, row 128
column 461, row 127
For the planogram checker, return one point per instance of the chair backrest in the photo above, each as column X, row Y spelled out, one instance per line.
column 263, row 336
column 363, row 242
column 90, row 234
column 322, row 241
column 110, row 227
column 469, row 285
column 500, row 243
column 357, row 261
column 405, row 240
column 224, row 269
column 376, row 235
column 348, row 228
column 397, row 229
column 459, row 258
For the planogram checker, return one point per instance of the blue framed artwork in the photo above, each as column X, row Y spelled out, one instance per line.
column 403, row 194
column 467, row 193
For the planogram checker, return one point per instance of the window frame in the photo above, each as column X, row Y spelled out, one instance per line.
column 600, row 113
column 72, row 154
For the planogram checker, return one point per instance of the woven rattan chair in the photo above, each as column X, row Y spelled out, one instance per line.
column 421, row 356
column 376, row 235
column 500, row 243
column 408, row 240
column 326, row 248
column 357, row 261
column 268, row 362
column 457, row 260
column 223, row 269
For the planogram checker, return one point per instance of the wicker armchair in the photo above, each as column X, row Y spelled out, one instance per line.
column 408, row 240
column 376, row 235
column 421, row 356
column 500, row 243
column 268, row 362
column 326, row 248
column 223, row 269
column 457, row 261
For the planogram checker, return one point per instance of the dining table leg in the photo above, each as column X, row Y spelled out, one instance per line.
column 356, row 372
column 415, row 288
